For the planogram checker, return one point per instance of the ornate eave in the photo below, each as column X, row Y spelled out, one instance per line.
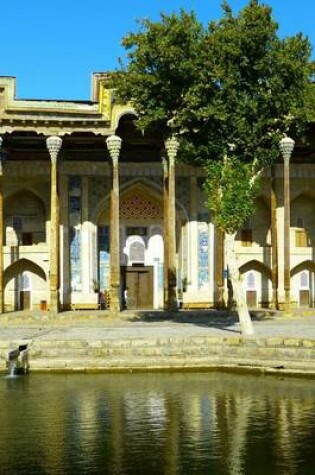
column 54, row 126
column 49, row 117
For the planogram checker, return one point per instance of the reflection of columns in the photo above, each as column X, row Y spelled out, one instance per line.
column 114, row 145
column 1, row 232
column 286, row 147
column 171, row 146
column 165, row 229
column 274, row 243
column 53, row 146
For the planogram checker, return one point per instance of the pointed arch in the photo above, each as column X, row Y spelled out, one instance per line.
column 257, row 266
column 20, row 266
column 28, row 192
column 305, row 265
column 147, row 187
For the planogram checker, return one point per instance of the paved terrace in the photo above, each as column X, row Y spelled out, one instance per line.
column 97, row 340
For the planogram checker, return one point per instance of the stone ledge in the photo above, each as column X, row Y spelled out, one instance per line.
column 181, row 352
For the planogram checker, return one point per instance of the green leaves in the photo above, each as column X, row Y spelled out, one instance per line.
column 231, row 188
column 162, row 59
column 233, row 82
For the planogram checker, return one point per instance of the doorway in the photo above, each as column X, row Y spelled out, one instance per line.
column 138, row 287
column 24, row 292
column 25, row 300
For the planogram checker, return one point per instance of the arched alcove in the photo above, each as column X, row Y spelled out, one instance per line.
column 25, row 219
column 20, row 266
column 257, row 283
column 25, row 285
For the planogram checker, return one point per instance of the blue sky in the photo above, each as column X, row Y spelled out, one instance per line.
column 53, row 46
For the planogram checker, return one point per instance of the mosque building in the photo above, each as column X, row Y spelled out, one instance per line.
column 94, row 215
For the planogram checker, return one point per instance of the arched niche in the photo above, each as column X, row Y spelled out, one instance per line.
column 20, row 266
column 25, row 219
column 257, row 283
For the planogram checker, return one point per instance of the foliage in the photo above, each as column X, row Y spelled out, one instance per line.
column 161, row 68
column 234, row 83
column 230, row 204
column 310, row 102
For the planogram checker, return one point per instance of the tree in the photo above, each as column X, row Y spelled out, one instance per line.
column 231, row 91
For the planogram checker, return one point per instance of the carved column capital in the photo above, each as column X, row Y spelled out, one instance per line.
column 172, row 146
column 113, row 143
column 53, row 145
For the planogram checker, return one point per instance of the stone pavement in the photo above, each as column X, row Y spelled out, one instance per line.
column 156, row 340
column 96, row 325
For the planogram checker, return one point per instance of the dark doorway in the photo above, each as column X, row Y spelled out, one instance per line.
column 304, row 298
column 138, row 287
column 251, row 298
column 25, row 300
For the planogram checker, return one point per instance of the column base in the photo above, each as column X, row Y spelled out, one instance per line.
column 54, row 302
column 172, row 304
column 1, row 302
column 114, row 304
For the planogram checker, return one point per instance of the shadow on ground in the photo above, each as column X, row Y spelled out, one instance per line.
column 222, row 319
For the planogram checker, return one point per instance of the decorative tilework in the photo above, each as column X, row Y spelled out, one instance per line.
column 75, row 232
column 203, row 254
column 75, row 258
column 104, row 256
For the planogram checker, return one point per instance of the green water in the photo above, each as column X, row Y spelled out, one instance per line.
column 156, row 424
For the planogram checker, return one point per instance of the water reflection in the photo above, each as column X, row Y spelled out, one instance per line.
column 156, row 424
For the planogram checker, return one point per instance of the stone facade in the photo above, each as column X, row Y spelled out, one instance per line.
column 82, row 227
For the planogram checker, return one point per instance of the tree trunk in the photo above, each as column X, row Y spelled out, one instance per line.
column 238, row 290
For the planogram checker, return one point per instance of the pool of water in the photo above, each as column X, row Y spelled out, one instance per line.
column 186, row 423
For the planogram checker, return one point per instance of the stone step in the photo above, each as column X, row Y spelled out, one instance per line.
column 166, row 352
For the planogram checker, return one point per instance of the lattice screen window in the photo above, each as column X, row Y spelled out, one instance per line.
column 139, row 207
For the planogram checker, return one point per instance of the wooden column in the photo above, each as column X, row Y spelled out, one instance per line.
column 165, row 229
column 286, row 147
column 286, row 237
column 171, row 146
column 114, row 144
column 1, row 233
column 274, row 240
column 53, row 146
